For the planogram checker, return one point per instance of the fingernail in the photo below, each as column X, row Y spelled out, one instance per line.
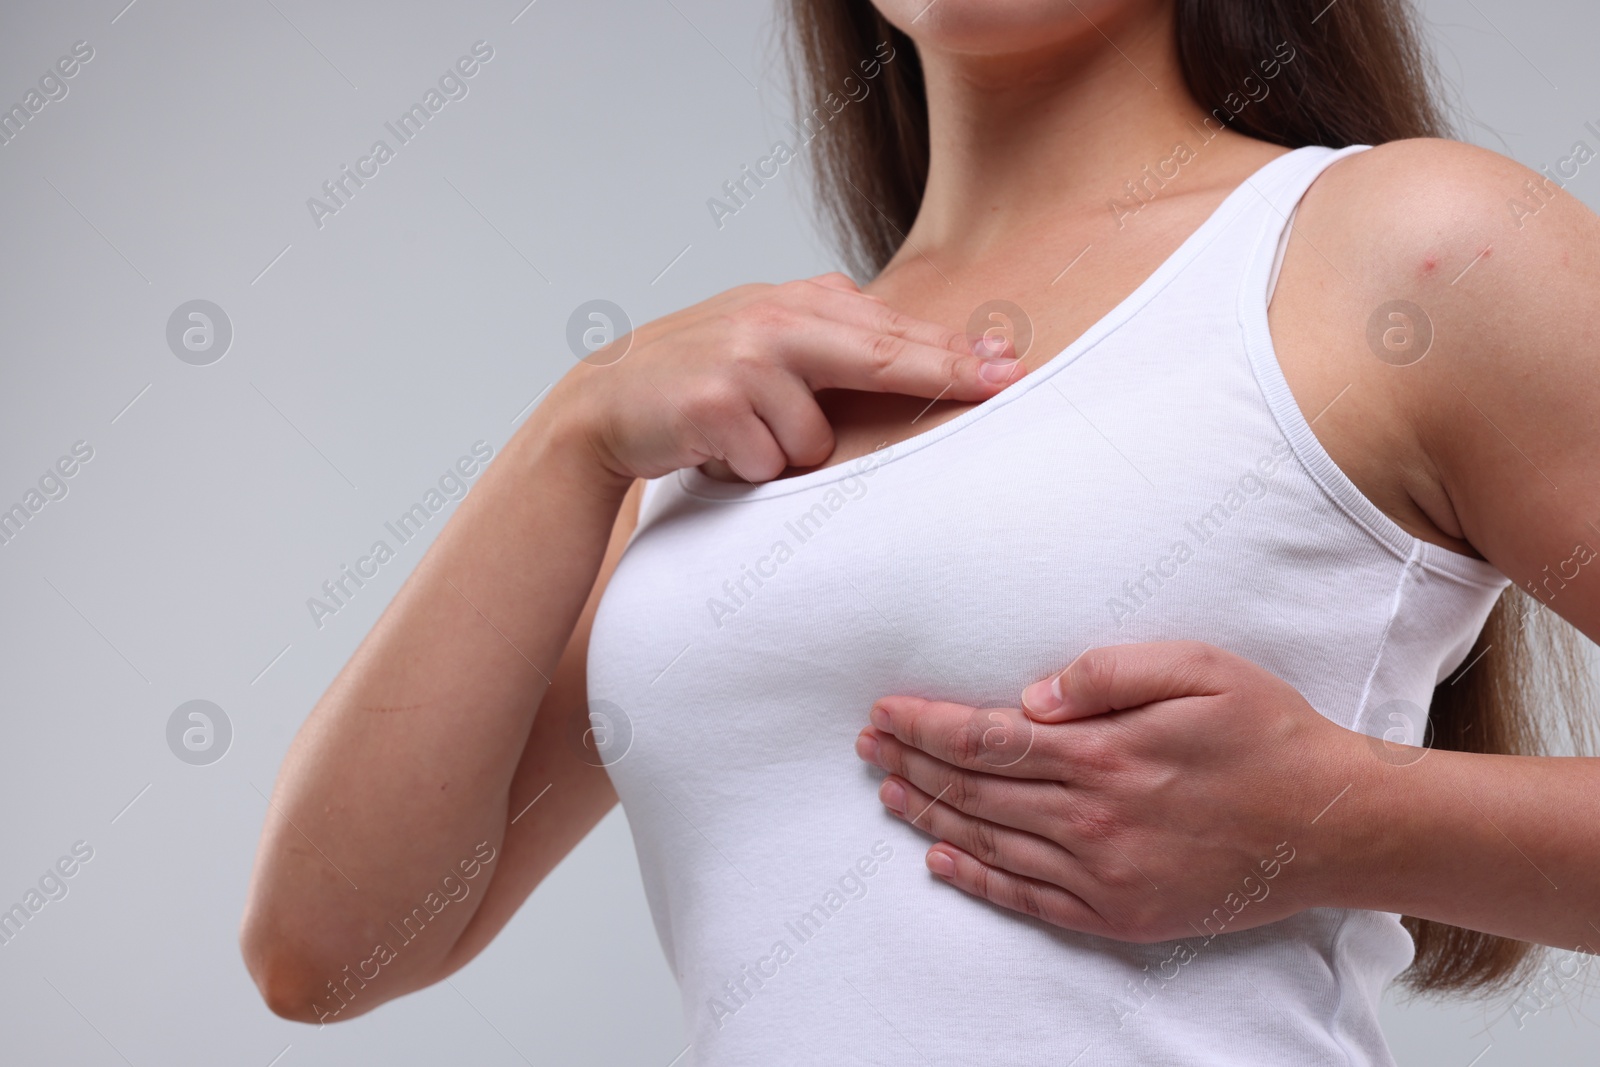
column 941, row 864
column 997, row 370
column 867, row 748
column 880, row 717
column 989, row 346
column 892, row 795
column 1043, row 696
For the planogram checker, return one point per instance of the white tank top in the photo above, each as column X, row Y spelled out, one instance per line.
column 1155, row 480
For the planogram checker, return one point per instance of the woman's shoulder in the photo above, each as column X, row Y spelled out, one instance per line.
column 1499, row 258
column 1474, row 281
column 1405, row 212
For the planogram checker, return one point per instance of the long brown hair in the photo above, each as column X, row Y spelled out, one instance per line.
column 1359, row 76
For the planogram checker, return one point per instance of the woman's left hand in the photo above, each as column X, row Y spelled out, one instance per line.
column 1146, row 793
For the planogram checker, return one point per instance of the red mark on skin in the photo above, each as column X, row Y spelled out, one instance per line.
column 1430, row 263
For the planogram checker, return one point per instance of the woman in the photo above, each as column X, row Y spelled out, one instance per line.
column 1221, row 558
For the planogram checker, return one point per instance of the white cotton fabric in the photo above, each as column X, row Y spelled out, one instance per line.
column 1154, row 480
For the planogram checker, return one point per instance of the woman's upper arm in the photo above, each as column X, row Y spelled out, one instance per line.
column 556, row 797
column 1491, row 421
column 1512, row 414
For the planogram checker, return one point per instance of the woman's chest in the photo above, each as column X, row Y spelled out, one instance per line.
column 763, row 628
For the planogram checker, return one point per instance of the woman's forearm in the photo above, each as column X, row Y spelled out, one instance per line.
column 399, row 776
column 401, row 773
column 1150, row 788
column 1509, row 845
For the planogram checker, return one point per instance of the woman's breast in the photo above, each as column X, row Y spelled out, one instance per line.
column 760, row 628
column 742, row 641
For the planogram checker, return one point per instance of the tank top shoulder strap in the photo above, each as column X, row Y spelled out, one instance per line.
column 1280, row 195
column 1241, row 238
column 1277, row 193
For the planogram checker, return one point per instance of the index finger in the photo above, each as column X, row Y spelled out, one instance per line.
column 992, row 740
column 841, row 281
column 858, row 342
column 871, row 312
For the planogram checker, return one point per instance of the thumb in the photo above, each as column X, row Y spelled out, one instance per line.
column 1117, row 677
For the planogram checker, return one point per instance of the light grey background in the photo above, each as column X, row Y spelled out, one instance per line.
column 367, row 355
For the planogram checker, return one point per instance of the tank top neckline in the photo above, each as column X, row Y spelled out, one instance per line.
column 696, row 483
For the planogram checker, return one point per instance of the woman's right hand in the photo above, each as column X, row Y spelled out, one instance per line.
column 733, row 378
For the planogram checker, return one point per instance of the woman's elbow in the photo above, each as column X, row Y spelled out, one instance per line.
column 295, row 981
column 286, row 979
column 303, row 981
column 283, row 987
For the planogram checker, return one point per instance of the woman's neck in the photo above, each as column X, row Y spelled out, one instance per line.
column 1016, row 141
